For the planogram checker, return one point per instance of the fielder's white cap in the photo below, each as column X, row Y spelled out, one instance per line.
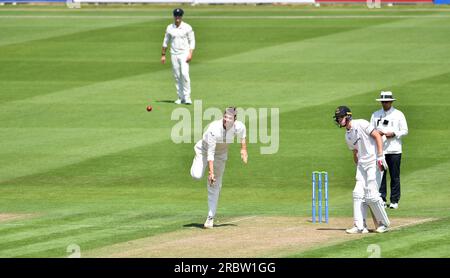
column 386, row 96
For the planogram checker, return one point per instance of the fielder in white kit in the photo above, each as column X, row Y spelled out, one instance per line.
column 182, row 44
column 212, row 151
column 366, row 143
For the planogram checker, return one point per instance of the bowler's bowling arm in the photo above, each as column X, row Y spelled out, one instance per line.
column 211, row 166
column 355, row 156
column 244, row 153
column 211, row 177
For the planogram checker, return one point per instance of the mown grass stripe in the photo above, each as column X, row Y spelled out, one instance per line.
column 90, row 234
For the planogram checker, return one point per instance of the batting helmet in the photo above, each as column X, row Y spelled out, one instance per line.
column 178, row 12
column 342, row 111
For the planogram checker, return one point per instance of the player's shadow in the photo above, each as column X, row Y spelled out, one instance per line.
column 330, row 229
column 165, row 101
column 200, row 226
column 326, row 229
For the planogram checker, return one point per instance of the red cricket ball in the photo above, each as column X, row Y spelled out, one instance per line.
column 149, row 108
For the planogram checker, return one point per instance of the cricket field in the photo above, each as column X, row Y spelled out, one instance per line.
column 84, row 166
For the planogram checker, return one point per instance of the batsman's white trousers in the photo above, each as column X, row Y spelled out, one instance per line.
column 365, row 193
column 180, row 70
column 199, row 165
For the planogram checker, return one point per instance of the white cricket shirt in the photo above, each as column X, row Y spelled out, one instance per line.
column 359, row 138
column 181, row 38
column 216, row 139
column 392, row 120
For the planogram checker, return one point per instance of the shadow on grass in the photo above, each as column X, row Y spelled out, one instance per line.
column 331, row 229
column 200, row 226
column 165, row 101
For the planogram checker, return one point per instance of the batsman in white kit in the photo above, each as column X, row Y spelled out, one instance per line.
column 212, row 152
column 367, row 146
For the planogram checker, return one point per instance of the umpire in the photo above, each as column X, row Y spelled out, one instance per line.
column 391, row 124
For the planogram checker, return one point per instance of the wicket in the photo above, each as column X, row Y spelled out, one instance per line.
column 319, row 175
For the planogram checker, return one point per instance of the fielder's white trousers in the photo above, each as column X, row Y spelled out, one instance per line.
column 180, row 70
column 365, row 193
column 199, row 165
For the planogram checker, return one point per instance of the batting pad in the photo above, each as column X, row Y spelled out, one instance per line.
column 379, row 211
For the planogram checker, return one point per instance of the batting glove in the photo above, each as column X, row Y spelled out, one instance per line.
column 381, row 162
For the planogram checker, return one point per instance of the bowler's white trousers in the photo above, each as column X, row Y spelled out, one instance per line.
column 365, row 193
column 199, row 165
column 180, row 70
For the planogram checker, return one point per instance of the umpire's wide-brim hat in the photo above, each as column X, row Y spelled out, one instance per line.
column 386, row 96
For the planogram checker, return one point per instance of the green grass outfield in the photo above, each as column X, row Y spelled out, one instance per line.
column 79, row 152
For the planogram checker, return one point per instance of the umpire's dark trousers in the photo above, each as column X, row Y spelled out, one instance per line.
column 393, row 162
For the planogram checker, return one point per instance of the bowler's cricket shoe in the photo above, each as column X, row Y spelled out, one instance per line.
column 209, row 223
column 382, row 229
column 355, row 230
column 188, row 101
column 393, row 206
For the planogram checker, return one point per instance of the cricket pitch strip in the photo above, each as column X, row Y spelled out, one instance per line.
column 243, row 237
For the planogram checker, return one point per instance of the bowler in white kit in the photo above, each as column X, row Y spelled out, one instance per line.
column 366, row 144
column 212, row 152
column 180, row 36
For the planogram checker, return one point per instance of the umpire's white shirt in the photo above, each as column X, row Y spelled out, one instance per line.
column 359, row 138
column 181, row 38
column 392, row 120
column 216, row 139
